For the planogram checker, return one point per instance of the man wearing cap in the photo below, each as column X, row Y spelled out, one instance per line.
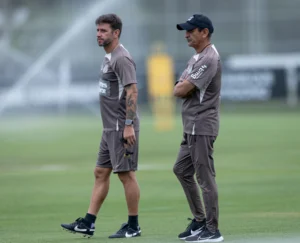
column 199, row 88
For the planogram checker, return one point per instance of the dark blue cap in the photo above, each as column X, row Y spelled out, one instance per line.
column 197, row 21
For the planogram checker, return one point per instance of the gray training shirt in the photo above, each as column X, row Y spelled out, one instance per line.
column 200, row 110
column 118, row 70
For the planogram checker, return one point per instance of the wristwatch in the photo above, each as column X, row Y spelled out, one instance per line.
column 128, row 122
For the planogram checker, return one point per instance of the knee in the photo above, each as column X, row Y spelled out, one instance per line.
column 101, row 174
column 126, row 177
column 177, row 171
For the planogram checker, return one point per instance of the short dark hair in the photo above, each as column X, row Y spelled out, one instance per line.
column 112, row 19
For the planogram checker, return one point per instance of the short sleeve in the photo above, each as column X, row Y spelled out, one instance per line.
column 125, row 70
column 203, row 71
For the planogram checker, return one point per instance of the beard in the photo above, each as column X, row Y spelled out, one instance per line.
column 106, row 43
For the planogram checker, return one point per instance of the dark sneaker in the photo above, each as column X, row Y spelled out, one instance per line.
column 126, row 232
column 80, row 226
column 192, row 229
column 206, row 236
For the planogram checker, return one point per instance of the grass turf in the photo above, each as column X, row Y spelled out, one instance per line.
column 46, row 177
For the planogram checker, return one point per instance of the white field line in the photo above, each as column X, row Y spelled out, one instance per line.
column 61, row 167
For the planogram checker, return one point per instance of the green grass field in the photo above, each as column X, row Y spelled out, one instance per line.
column 46, row 177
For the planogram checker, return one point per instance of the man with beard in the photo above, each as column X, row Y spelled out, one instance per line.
column 118, row 150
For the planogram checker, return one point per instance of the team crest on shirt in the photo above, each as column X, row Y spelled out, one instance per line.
column 104, row 68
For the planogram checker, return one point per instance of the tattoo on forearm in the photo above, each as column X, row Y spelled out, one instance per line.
column 131, row 100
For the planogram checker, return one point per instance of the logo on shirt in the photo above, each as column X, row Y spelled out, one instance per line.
column 103, row 88
column 199, row 72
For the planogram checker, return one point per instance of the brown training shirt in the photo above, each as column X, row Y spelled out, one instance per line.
column 118, row 70
column 200, row 110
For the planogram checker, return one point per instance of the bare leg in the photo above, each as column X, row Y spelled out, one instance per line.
column 100, row 189
column 132, row 191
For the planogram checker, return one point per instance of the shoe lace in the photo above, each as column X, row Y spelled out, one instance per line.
column 123, row 229
column 190, row 224
column 77, row 221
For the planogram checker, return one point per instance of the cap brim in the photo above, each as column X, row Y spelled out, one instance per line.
column 186, row 26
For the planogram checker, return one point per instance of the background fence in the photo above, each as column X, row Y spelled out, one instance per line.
column 49, row 57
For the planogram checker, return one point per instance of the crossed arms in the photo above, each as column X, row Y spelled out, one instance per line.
column 183, row 89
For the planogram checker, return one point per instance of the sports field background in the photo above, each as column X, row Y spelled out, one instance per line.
column 46, row 177
column 49, row 65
